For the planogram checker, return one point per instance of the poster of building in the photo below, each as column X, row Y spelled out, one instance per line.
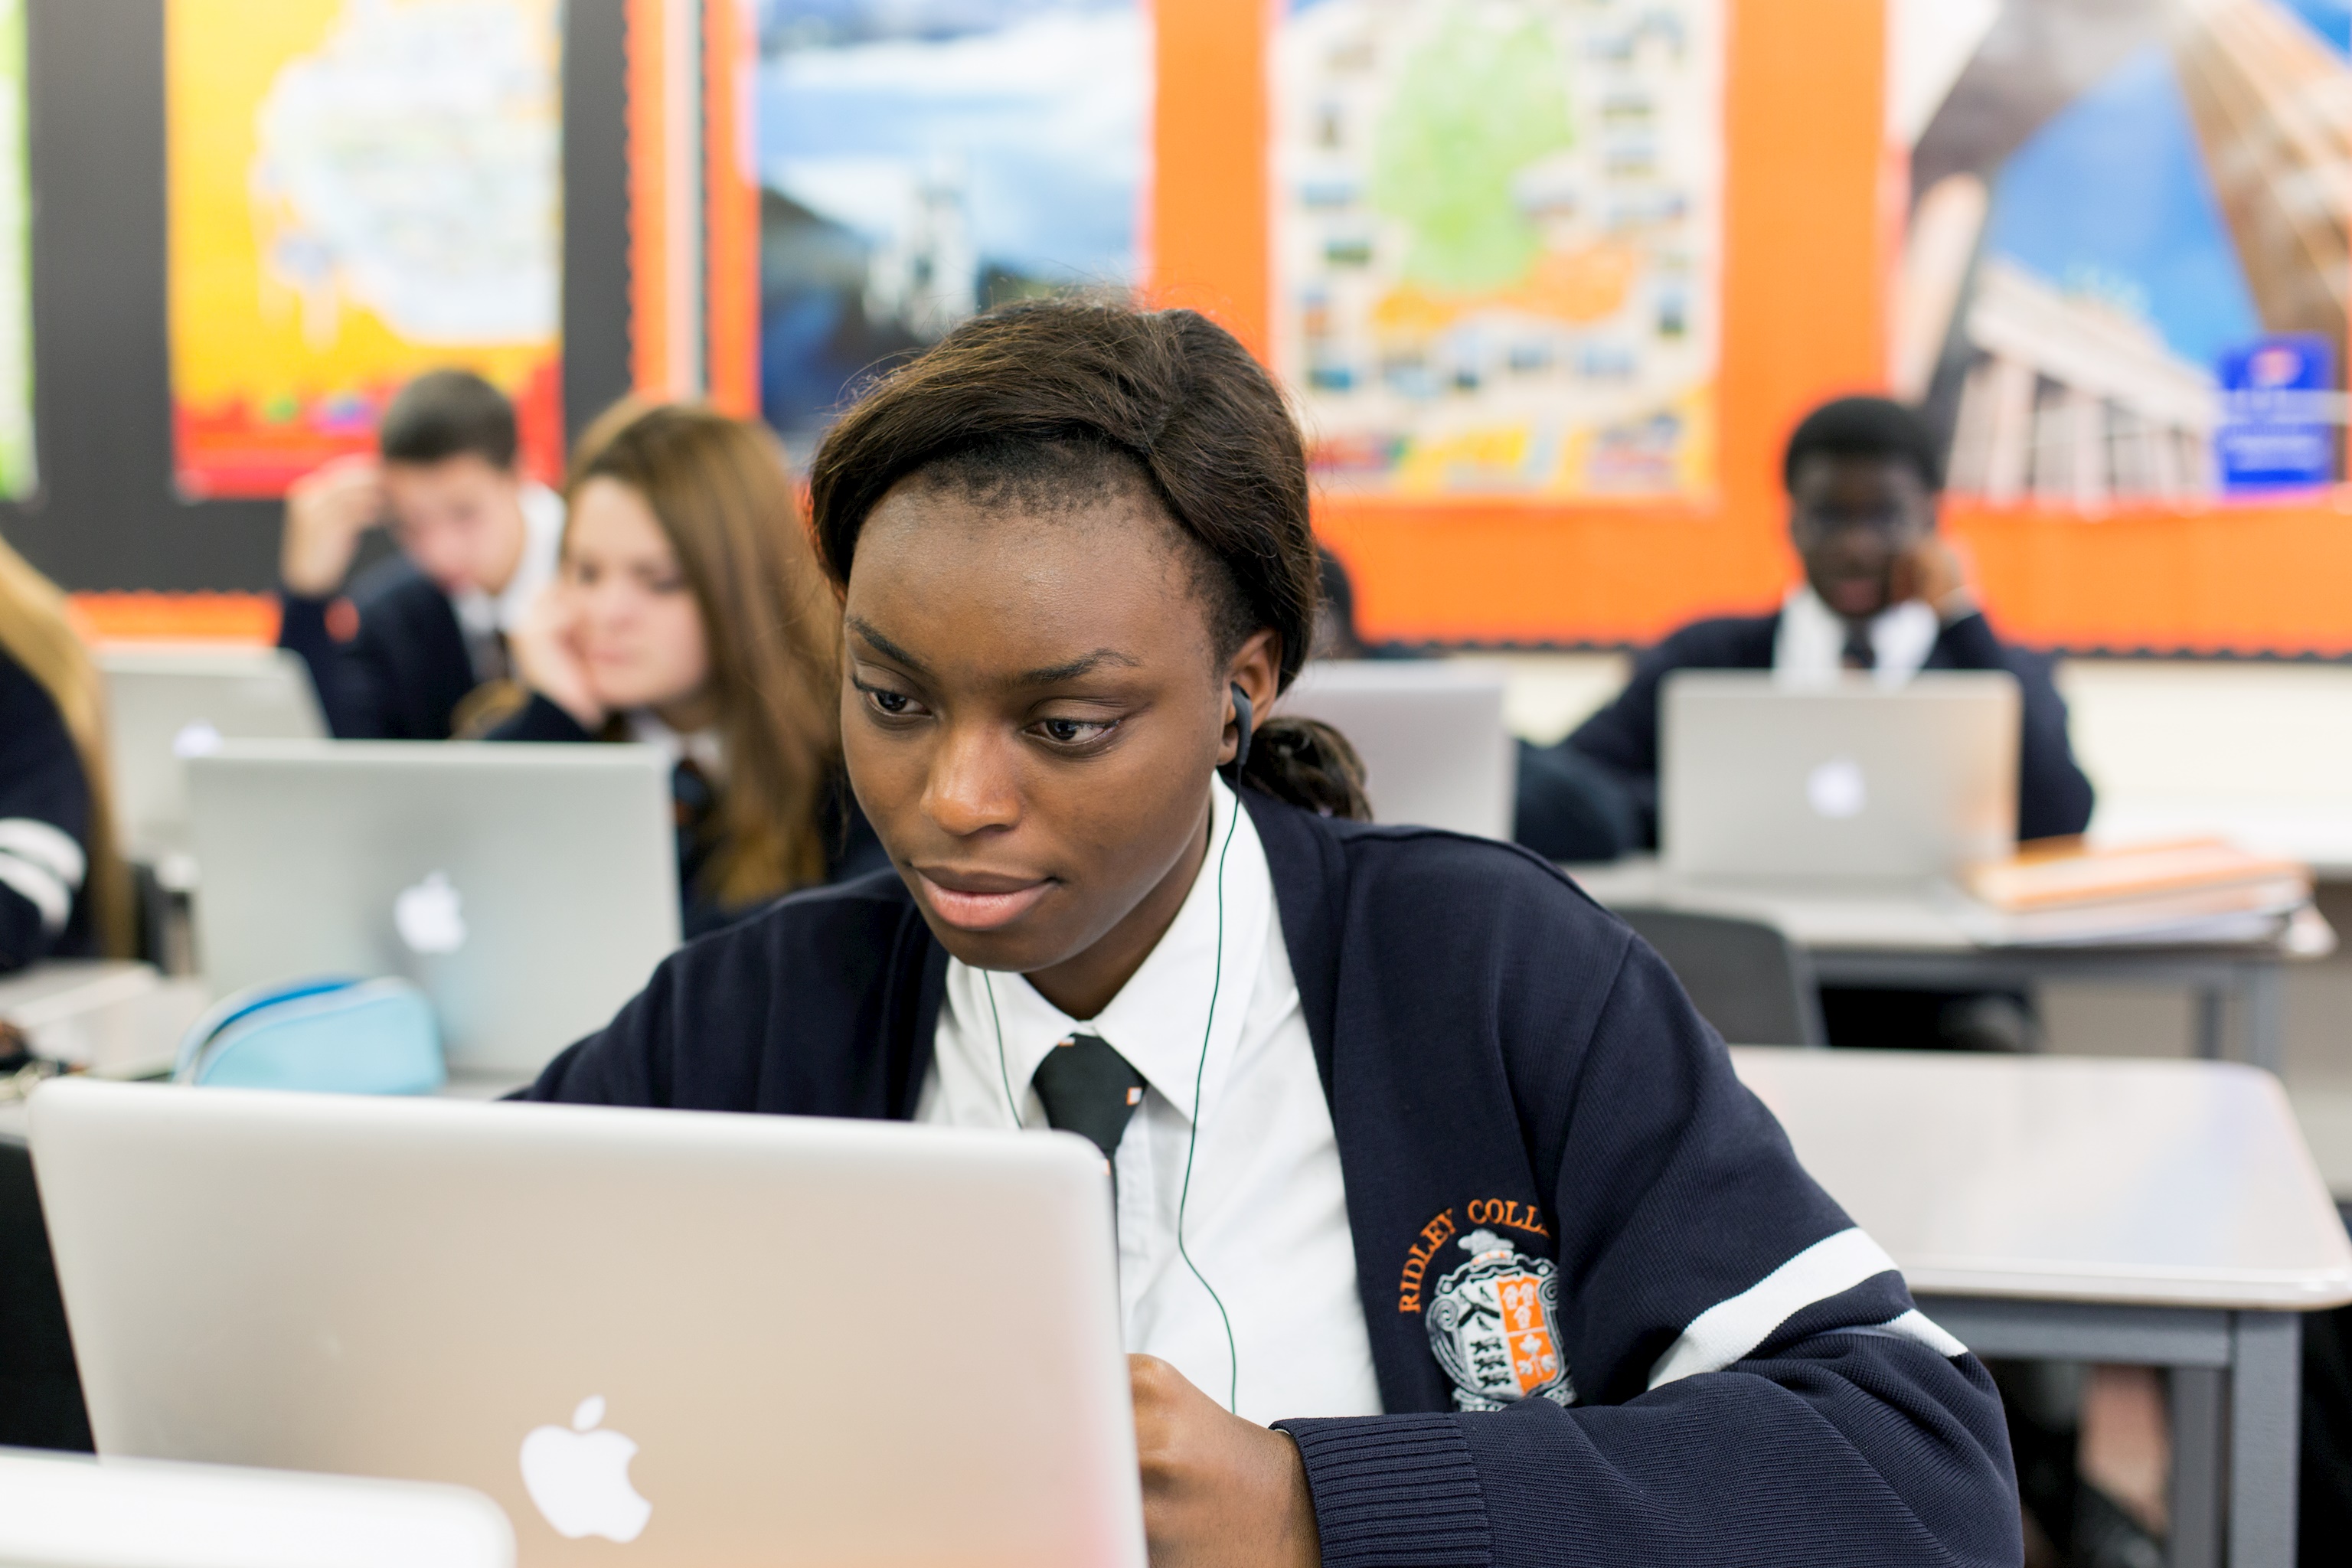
column 18, row 474
column 358, row 191
column 2124, row 275
column 1496, row 231
column 920, row 159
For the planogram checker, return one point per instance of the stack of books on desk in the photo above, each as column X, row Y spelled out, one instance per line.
column 2194, row 891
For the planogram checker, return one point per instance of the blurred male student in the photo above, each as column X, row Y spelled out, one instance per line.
column 397, row 652
column 1882, row 593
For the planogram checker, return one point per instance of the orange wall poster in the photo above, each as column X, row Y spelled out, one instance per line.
column 358, row 191
column 1824, row 103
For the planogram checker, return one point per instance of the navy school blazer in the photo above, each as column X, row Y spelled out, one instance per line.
column 1530, row 1115
column 405, row 669
column 2053, row 797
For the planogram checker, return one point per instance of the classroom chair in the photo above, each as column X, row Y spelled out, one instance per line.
column 1746, row 977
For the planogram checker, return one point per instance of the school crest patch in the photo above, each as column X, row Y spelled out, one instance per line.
column 1494, row 1325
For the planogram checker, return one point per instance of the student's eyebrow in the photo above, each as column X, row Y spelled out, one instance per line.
column 1085, row 664
column 883, row 645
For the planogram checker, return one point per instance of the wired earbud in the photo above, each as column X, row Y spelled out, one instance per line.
column 1200, row 1070
column 1241, row 737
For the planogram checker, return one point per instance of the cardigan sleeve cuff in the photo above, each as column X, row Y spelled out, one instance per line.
column 1392, row 1489
column 540, row 720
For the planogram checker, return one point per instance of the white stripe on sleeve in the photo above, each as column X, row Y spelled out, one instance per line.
column 45, row 844
column 1731, row 1329
column 1918, row 1325
column 40, row 888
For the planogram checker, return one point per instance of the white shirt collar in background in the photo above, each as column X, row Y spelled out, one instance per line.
column 478, row 614
column 646, row 728
column 1267, row 1219
column 1809, row 649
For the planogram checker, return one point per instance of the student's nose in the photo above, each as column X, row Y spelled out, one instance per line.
column 972, row 787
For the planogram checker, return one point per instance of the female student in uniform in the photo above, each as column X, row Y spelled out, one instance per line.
column 689, row 613
column 1518, row 1270
column 63, row 890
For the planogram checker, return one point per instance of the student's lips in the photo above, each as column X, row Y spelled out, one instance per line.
column 980, row 902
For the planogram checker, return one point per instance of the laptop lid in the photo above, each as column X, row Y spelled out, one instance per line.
column 163, row 706
column 62, row 1511
column 712, row 1338
column 529, row 890
column 1431, row 733
column 1852, row 781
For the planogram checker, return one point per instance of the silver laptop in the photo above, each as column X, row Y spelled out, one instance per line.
column 666, row 1338
column 529, row 890
column 164, row 705
column 1846, row 781
column 60, row 1510
column 1430, row 731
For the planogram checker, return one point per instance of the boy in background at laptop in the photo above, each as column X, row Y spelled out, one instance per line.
column 1882, row 594
column 396, row 654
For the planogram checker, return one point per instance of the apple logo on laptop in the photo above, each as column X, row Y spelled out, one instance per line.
column 197, row 738
column 1837, row 790
column 579, row 1478
column 430, row 916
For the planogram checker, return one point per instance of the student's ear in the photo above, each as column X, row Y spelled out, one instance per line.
column 1256, row 669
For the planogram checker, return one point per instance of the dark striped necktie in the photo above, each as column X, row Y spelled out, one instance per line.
column 1859, row 653
column 1088, row 1088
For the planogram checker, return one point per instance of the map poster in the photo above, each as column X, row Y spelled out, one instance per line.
column 360, row 190
column 1497, row 236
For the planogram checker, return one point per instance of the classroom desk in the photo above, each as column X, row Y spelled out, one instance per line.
column 2157, row 1213
column 109, row 1016
column 1928, row 936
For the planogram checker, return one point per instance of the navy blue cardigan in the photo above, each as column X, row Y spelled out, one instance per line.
column 43, row 793
column 2053, row 797
column 1501, row 1055
column 405, row 669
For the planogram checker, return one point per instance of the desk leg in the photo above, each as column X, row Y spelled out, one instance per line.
column 2212, row 1040
column 2265, row 1416
column 2198, row 1445
column 2262, row 992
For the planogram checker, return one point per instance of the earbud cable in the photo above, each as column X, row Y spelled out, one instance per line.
column 1192, row 1138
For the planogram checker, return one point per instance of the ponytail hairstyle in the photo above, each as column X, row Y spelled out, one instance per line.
column 1050, row 404
column 35, row 631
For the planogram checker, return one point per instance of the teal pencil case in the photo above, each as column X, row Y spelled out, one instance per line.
column 331, row 1036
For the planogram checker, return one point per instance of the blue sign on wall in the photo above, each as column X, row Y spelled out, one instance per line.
column 2277, row 430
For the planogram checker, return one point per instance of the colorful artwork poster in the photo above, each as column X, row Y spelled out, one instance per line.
column 360, row 190
column 1497, row 233
column 18, row 474
column 2124, row 273
column 922, row 159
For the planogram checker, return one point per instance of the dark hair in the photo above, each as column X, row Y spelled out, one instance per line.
column 446, row 414
column 1057, row 403
column 1865, row 427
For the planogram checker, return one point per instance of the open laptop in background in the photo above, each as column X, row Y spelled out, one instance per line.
column 165, row 705
column 1431, row 733
column 529, row 890
column 60, row 1510
column 716, row 1338
column 1850, row 782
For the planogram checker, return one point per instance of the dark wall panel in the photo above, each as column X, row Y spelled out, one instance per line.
column 107, row 516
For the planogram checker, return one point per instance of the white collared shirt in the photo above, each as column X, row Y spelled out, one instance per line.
column 1266, row 1221
column 482, row 616
column 1809, row 648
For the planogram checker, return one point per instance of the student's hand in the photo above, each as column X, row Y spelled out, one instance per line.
column 1218, row 1492
column 546, row 653
column 326, row 512
column 1932, row 573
